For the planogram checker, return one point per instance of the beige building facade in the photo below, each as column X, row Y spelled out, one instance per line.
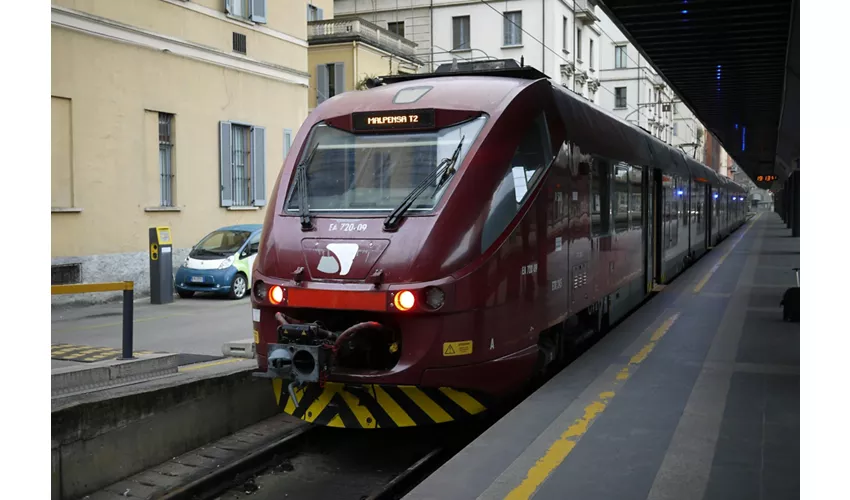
column 167, row 113
column 344, row 52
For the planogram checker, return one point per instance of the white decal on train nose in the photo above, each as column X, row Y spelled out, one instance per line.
column 344, row 253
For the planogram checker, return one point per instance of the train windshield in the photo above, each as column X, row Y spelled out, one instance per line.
column 375, row 172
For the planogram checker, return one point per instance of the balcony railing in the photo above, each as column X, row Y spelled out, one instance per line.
column 345, row 29
column 585, row 10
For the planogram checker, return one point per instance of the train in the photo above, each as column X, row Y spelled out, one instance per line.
column 433, row 243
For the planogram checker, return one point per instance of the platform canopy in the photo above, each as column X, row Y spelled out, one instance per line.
column 735, row 64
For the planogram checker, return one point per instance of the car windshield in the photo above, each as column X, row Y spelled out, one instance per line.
column 375, row 172
column 221, row 243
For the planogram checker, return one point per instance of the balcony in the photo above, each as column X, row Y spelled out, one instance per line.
column 585, row 11
column 347, row 30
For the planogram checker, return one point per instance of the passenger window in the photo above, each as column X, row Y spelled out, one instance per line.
column 620, row 207
column 599, row 202
column 635, row 204
column 531, row 157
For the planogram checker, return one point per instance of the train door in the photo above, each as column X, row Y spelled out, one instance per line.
column 648, row 225
column 658, row 237
column 709, row 212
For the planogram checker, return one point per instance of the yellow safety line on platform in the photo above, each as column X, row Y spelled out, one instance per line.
column 568, row 440
column 716, row 266
column 115, row 286
column 198, row 366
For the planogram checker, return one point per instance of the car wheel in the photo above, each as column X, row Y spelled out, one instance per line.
column 239, row 286
column 185, row 294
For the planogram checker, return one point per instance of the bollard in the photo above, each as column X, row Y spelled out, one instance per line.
column 127, row 341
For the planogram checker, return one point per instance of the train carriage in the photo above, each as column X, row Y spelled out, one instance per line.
column 435, row 241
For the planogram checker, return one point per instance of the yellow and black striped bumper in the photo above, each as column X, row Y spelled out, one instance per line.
column 374, row 406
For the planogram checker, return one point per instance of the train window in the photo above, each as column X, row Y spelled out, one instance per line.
column 635, row 199
column 530, row 158
column 599, row 198
column 375, row 172
column 620, row 205
column 533, row 154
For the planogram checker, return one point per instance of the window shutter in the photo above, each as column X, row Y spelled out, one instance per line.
column 258, row 11
column 258, row 166
column 287, row 142
column 320, row 14
column 321, row 83
column 228, row 6
column 339, row 78
column 226, row 164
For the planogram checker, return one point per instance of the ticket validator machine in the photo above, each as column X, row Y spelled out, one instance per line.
column 162, row 280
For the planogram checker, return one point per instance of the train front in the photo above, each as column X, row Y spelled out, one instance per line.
column 358, row 319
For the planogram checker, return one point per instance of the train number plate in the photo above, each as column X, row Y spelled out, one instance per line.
column 197, row 279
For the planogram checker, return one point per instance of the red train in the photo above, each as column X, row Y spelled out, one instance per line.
column 435, row 241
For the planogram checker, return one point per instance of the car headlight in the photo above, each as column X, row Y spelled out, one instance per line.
column 226, row 263
column 186, row 262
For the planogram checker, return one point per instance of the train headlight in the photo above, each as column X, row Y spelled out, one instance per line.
column 404, row 300
column 275, row 295
column 434, row 297
column 260, row 290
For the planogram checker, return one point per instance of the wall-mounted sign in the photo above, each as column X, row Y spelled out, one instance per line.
column 414, row 119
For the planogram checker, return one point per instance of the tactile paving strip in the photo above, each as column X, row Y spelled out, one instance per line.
column 86, row 353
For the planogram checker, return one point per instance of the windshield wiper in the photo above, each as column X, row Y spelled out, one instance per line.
column 301, row 183
column 444, row 168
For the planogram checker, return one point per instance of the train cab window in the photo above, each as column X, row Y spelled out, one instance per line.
column 530, row 158
column 600, row 224
column 533, row 154
column 375, row 172
column 620, row 205
column 635, row 197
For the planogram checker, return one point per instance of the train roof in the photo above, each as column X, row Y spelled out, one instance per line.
column 496, row 80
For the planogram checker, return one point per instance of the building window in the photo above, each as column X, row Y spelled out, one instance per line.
column 243, row 165
column 620, row 57
column 619, row 97
column 166, row 163
column 330, row 81
column 397, row 28
column 590, row 53
column 314, row 13
column 566, row 32
column 578, row 43
column 675, row 129
column 254, row 10
column 513, row 28
column 460, row 33
column 240, row 152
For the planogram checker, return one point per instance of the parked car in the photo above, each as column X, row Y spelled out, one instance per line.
column 221, row 262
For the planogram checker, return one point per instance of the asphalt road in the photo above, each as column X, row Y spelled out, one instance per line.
column 199, row 325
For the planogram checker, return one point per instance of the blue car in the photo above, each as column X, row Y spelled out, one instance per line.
column 221, row 262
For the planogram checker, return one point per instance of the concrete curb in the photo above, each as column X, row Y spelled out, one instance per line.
column 239, row 349
column 94, row 376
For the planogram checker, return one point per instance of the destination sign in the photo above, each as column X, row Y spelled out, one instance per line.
column 766, row 178
column 414, row 119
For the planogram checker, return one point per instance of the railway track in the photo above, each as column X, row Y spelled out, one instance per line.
column 322, row 462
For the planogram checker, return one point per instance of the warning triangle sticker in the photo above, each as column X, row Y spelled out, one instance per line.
column 450, row 349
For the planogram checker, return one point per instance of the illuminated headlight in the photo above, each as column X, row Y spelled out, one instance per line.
column 434, row 297
column 226, row 263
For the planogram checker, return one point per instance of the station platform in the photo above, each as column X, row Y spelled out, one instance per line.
column 696, row 395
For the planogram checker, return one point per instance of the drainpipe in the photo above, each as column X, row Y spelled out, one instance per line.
column 354, row 58
column 431, row 30
column 543, row 45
